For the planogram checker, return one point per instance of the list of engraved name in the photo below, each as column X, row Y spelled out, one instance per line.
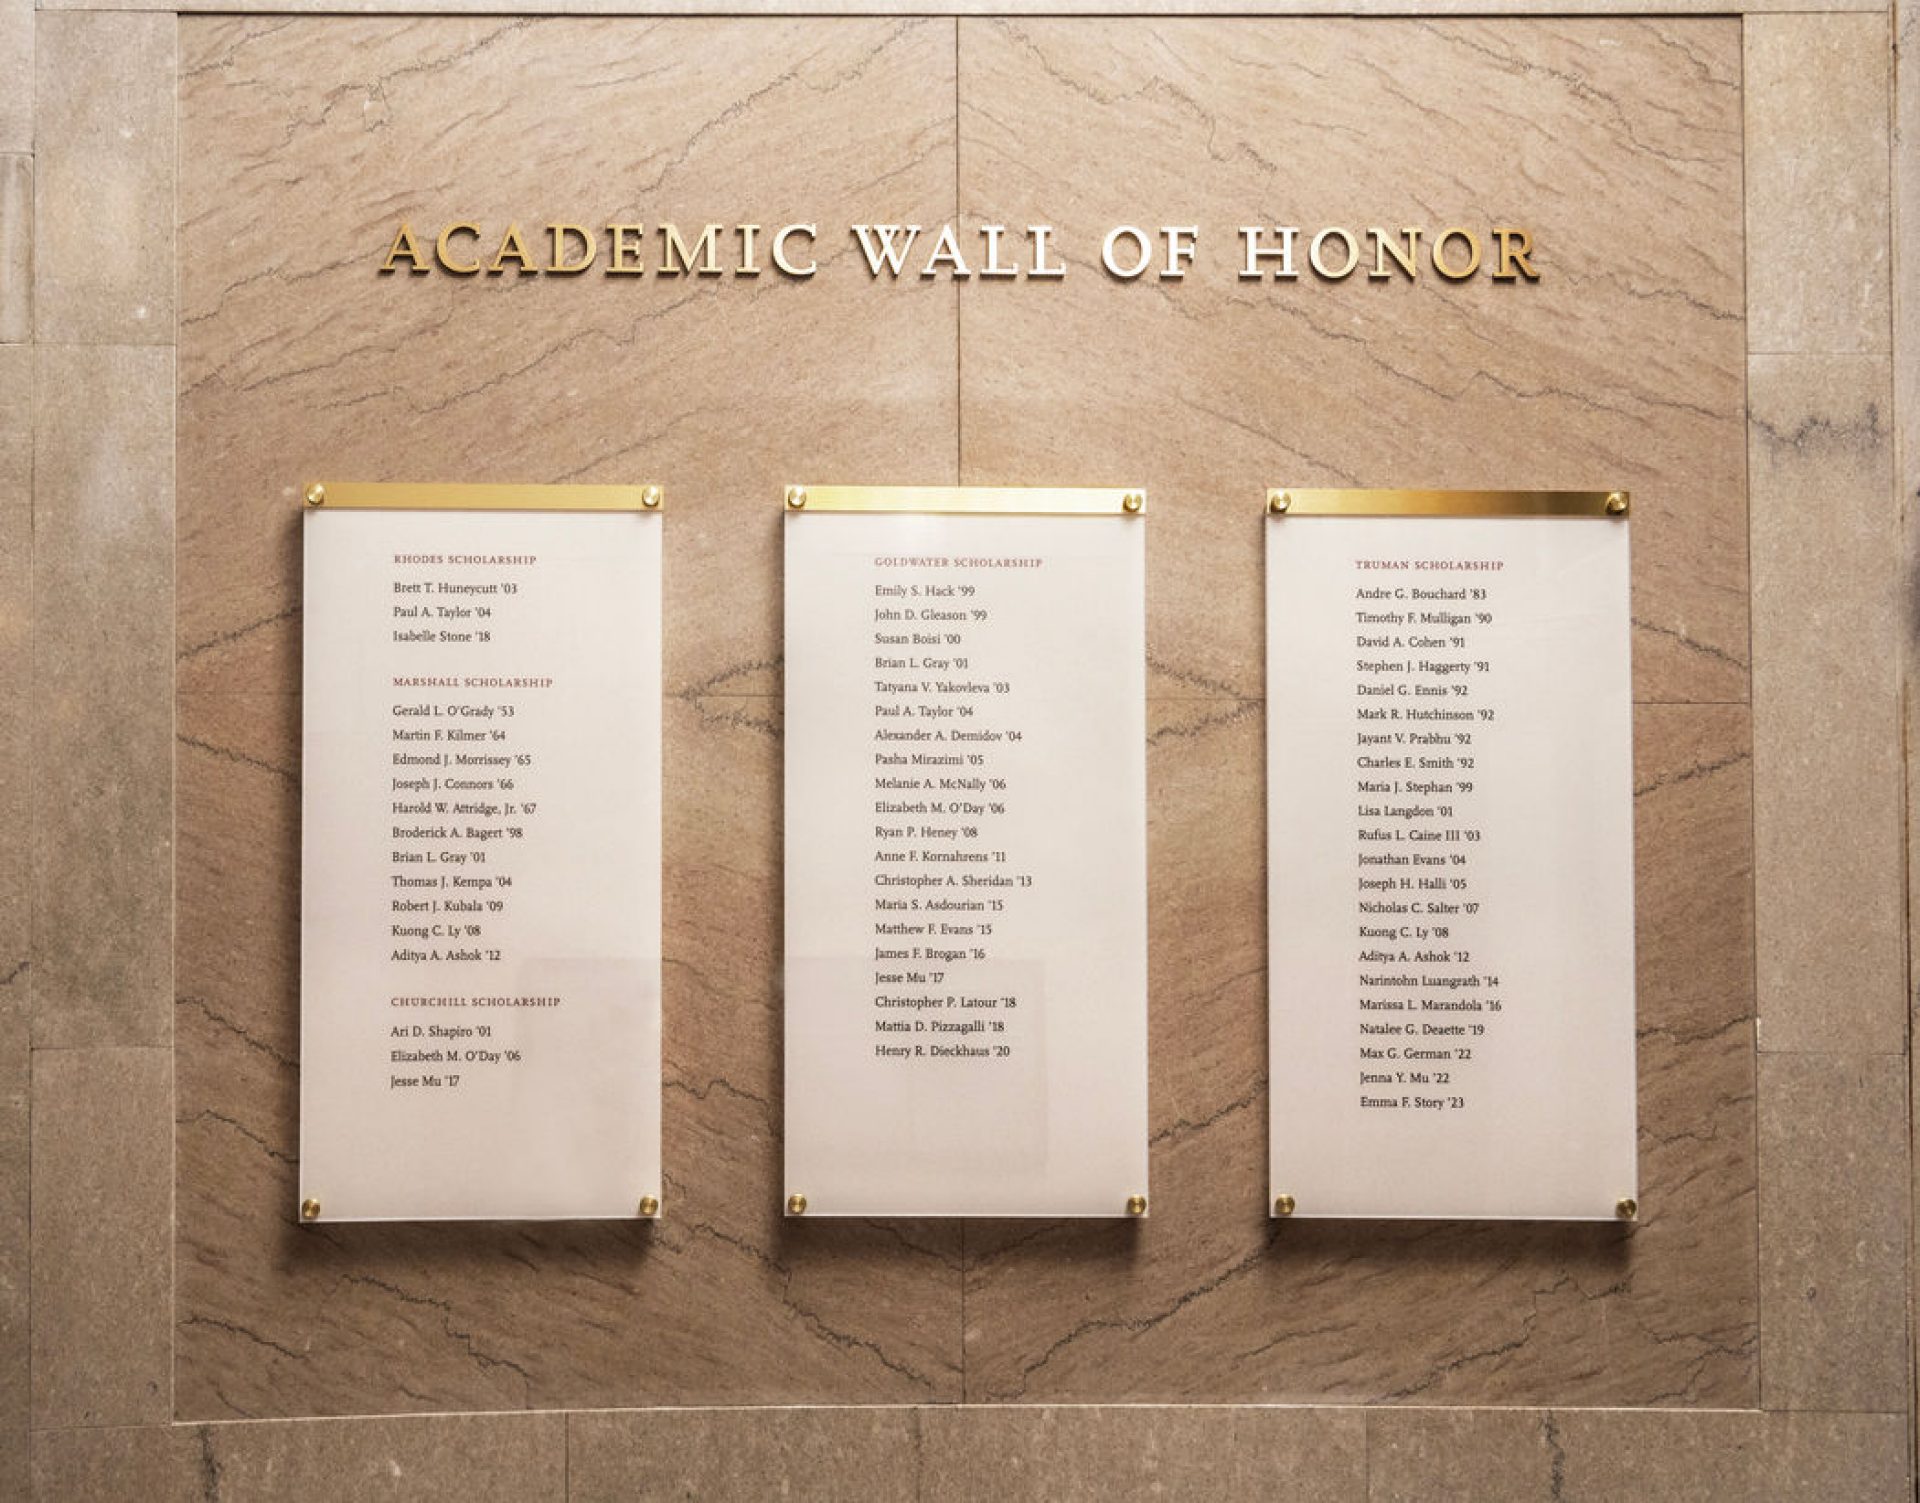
column 1426, row 717
column 955, row 763
column 465, row 804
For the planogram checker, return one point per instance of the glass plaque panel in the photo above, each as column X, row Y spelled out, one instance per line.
column 480, row 857
column 1450, row 855
column 966, row 944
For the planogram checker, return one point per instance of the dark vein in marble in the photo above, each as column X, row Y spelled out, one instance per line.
column 235, row 1329
column 238, row 632
column 251, row 1040
column 227, row 754
column 1689, row 774
column 1692, row 644
column 484, row 1360
column 207, row 1114
column 1141, row 1324
column 1185, row 1126
column 1187, row 730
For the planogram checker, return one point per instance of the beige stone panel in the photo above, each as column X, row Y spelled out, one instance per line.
column 1829, row 793
column 1412, row 8
column 1616, row 143
column 721, row 1301
column 86, row 1466
column 1081, row 1455
column 104, row 173
column 16, row 75
column 15, row 1180
column 1490, row 1455
column 797, row 1454
column 455, row 1458
column 1206, row 863
column 1813, row 1458
column 1693, row 961
column 1693, row 872
column 16, row 651
column 1906, row 399
column 1905, row 209
column 1818, row 220
column 1906, row 242
column 236, row 1052
column 102, row 700
column 1834, row 1205
column 1659, row 1458
column 16, row 427
column 102, row 1200
column 16, row 247
column 16, row 676
column 301, row 361
column 490, row 1458
column 1521, row 1454
column 1207, row 1300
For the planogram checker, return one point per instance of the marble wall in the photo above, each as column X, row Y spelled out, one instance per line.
column 201, row 328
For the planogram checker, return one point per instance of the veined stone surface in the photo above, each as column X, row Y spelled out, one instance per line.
column 306, row 142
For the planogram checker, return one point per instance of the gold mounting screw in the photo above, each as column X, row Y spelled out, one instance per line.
column 1136, row 1205
column 316, row 494
column 650, row 498
column 309, row 1209
column 649, row 1205
column 1132, row 501
column 1283, row 1205
column 796, row 497
column 1627, row 1208
column 1617, row 504
column 1278, row 502
column 796, row 1205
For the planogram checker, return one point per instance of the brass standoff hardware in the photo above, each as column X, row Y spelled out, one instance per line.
column 796, row 1205
column 1136, row 1205
column 1627, row 1208
column 1617, row 504
column 316, row 494
column 796, row 497
column 1283, row 1205
column 309, row 1209
column 650, row 498
column 649, row 1205
column 1278, row 502
column 1133, row 501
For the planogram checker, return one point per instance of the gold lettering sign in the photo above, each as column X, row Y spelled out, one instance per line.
column 990, row 252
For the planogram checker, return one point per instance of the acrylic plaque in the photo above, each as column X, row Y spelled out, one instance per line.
column 966, row 939
column 480, row 853
column 1450, row 855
